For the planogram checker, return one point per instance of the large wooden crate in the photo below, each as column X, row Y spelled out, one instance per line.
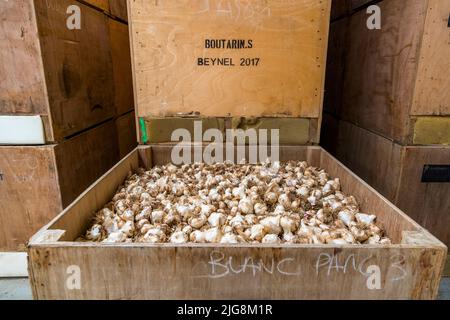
column 36, row 183
column 398, row 172
column 409, row 269
column 273, row 56
column 396, row 80
column 63, row 75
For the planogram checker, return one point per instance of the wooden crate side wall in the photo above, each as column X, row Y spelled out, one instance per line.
column 184, row 272
column 292, row 131
column 30, row 193
column 78, row 67
column 431, row 96
column 121, row 64
column 372, row 157
column 419, row 273
column 337, row 47
column 427, row 203
column 75, row 219
column 168, row 82
column 396, row 172
column 381, row 68
column 126, row 133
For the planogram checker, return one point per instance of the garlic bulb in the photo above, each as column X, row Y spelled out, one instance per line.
column 178, row 237
column 231, row 204
column 271, row 238
column 213, row 235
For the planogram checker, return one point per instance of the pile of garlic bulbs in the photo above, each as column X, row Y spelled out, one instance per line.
column 230, row 204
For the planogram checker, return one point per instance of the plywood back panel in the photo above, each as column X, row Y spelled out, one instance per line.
column 75, row 219
column 285, row 41
column 432, row 96
column 161, row 272
column 84, row 158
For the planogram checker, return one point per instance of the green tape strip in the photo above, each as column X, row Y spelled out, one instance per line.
column 144, row 136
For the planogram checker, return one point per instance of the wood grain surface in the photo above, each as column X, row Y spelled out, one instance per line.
column 289, row 39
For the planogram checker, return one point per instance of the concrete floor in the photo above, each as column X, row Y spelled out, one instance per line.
column 19, row 289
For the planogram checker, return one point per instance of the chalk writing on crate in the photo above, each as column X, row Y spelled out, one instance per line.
column 220, row 265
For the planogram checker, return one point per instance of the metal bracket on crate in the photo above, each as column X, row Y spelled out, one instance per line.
column 448, row 23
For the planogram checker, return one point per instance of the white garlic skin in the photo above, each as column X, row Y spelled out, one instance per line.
column 271, row 238
column 213, row 235
column 178, row 237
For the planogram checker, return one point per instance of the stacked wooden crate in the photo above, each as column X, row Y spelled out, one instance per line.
column 282, row 45
column 74, row 87
column 387, row 106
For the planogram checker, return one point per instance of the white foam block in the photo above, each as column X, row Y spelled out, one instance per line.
column 21, row 130
column 13, row 265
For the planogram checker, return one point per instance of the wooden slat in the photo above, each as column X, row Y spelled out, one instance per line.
column 290, row 38
column 188, row 272
column 372, row 157
column 78, row 67
column 23, row 91
column 126, row 133
column 292, row 131
column 121, row 64
column 75, row 219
